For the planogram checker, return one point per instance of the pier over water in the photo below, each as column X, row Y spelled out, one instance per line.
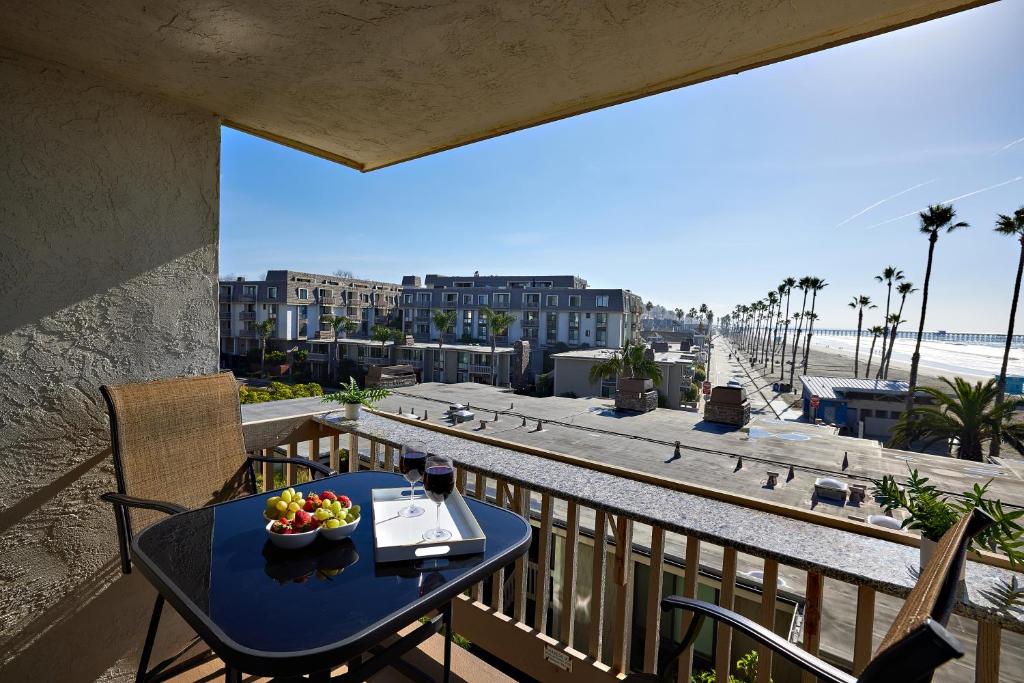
column 950, row 337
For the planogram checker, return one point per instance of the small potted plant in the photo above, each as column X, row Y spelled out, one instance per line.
column 352, row 396
column 933, row 513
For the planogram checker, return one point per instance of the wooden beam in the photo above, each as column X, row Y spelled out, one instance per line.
column 522, row 507
column 622, row 616
column 862, row 645
column 987, row 653
column 726, row 599
column 689, row 591
column 813, row 592
column 335, row 458
column 540, row 589
column 353, row 453
column 654, row 590
column 769, row 591
column 567, row 627
column 598, row 584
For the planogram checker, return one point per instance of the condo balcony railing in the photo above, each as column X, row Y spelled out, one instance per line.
column 414, row 362
column 480, row 369
column 503, row 305
column 249, row 334
column 327, row 300
column 247, row 315
column 583, row 604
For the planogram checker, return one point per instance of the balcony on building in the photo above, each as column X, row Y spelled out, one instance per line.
column 112, row 179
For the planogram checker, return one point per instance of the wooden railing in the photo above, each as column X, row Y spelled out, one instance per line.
column 595, row 632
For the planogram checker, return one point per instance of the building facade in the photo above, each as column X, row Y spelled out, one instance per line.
column 297, row 302
column 572, row 375
column 447, row 363
column 549, row 310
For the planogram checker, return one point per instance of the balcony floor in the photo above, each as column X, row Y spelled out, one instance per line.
column 426, row 660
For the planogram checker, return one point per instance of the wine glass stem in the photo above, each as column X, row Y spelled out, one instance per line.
column 438, row 517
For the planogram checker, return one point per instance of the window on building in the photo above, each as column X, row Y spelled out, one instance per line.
column 463, row 359
column 531, row 300
column 407, row 298
column 551, row 300
column 303, row 310
column 271, row 292
column 530, row 333
column 365, row 298
column 482, row 299
column 518, row 284
column 602, row 301
column 552, row 327
column 467, row 299
column 531, row 318
column 321, row 292
column 574, row 327
column 225, row 310
column 574, row 300
column 303, row 293
column 303, row 328
column 225, row 291
column 501, row 300
column 463, row 284
column 423, row 298
column 272, row 310
column 467, row 323
column 451, row 297
column 249, row 290
column 543, row 283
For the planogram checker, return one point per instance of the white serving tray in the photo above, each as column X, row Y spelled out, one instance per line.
column 397, row 538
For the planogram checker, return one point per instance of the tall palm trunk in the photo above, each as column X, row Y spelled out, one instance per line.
column 796, row 345
column 885, row 332
column 767, row 333
column 871, row 353
column 993, row 449
column 856, row 352
column 810, row 330
column 916, row 358
column 887, row 357
column 785, row 334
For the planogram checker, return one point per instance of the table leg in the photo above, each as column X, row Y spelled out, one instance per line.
column 147, row 648
column 232, row 675
column 446, row 618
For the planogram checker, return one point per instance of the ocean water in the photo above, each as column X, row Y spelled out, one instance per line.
column 938, row 359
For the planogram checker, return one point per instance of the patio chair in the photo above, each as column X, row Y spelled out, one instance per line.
column 177, row 445
column 916, row 644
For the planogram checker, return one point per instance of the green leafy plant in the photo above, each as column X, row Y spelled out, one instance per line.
column 933, row 513
column 691, row 393
column 351, row 394
column 746, row 671
column 278, row 391
column 631, row 363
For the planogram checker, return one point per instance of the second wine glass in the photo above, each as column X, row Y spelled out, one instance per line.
column 438, row 482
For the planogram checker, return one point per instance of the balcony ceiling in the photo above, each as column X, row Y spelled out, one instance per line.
column 370, row 83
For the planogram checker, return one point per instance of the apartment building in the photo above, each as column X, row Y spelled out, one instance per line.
column 549, row 310
column 447, row 363
column 297, row 302
column 572, row 374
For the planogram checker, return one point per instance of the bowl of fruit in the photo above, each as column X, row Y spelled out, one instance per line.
column 337, row 515
column 285, row 505
column 297, row 532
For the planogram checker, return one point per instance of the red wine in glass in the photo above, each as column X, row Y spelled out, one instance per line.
column 412, row 463
column 439, row 482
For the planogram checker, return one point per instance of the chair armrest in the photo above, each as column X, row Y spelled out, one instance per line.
column 301, row 462
column 121, row 500
column 796, row 655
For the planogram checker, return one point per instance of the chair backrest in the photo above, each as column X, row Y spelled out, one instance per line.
column 917, row 642
column 178, row 440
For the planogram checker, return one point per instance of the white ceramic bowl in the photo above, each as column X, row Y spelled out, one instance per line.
column 291, row 541
column 343, row 531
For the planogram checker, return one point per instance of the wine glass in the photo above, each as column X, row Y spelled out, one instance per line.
column 439, row 482
column 411, row 463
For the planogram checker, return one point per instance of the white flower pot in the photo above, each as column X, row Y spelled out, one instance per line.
column 928, row 549
column 351, row 411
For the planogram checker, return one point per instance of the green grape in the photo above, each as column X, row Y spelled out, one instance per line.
column 273, row 500
column 289, row 516
column 286, row 495
column 332, row 524
column 281, row 506
column 354, row 510
column 293, row 507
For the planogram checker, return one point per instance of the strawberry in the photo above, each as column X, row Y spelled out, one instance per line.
column 328, row 495
column 345, row 500
column 312, row 503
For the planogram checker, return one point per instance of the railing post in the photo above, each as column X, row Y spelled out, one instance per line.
column 769, row 591
column 864, row 628
column 813, row 593
column 726, row 599
column 353, row 453
column 621, row 630
column 689, row 591
column 389, row 458
column 335, row 456
column 268, row 471
column 597, row 586
column 460, row 480
column 312, row 454
column 540, row 598
column 373, row 454
column 654, row 585
column 498, row 577
column 567, row 627
column 987, row 653
column 293, row 452
column 522, row 506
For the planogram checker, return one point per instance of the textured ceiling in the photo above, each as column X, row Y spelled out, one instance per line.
column 374, row 83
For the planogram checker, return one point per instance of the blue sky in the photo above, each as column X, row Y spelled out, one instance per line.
column 712, row 193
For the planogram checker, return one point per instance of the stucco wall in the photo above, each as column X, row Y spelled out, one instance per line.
column 108, row 249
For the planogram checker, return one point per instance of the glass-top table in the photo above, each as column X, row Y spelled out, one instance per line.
column 274, row 612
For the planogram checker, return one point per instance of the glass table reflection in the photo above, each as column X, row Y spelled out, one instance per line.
column 273, row 612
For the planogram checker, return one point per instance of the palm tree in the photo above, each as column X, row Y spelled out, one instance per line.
column 497, row 326
column 874, row 332
column 859, row 302
column 350, row 326
column 817, row 284
column 967, row 416
column 904, row 289
column 263, row 331
column 631, row 363
column 803, row 285
column 443, row 321
column 649, row 306
column 384, row 335
column 692, row 315
column 773, row 300
column 679, row 314
column 1009, row 225
column 703, row 315
column 336, row 322
column 779, row 291
column 788, row 284
column 890, row 275
column 933, row 220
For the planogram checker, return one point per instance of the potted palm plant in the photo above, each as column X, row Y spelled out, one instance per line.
column 633, row 369
column 932, row 513
column 352, row 397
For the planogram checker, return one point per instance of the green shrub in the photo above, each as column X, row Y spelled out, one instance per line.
column 301, row 355
column 690, row 394
column 277, row 357
column 278, row 391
